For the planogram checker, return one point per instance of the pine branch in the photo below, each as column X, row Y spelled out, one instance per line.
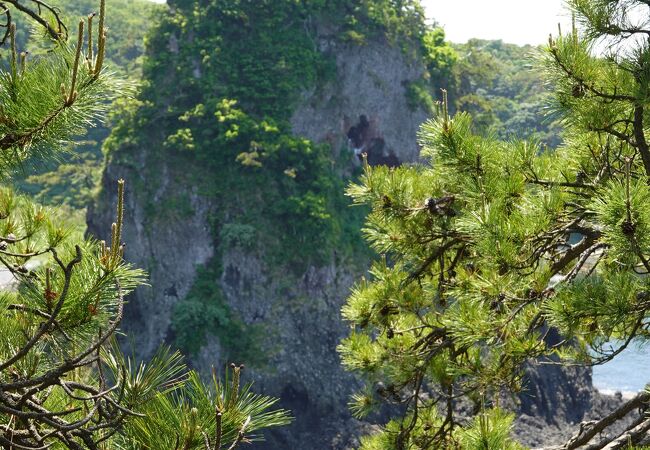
column 56, row 34
column 632, row 436
column 590, row 432
column 584, row 83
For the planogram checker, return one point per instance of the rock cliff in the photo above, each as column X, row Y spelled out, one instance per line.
column 367, row 96
column 300, row 313
column 174, row 227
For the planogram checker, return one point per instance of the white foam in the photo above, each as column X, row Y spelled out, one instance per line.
column 625, row 394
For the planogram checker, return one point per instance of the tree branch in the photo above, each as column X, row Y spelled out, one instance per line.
column 585, row 435
column 639, row 136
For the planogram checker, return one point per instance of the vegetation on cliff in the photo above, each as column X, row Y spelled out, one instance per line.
column 221, row 81
column 498, row 253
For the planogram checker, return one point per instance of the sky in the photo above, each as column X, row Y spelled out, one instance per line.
column 513, row 21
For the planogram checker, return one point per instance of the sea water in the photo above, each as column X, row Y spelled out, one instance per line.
column 628, row 372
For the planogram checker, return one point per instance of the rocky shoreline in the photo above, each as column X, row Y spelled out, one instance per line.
column 538, row 434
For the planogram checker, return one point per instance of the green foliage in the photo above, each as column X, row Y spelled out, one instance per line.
column 418, row 95
column 69, row 185
column 440, row 60
column 238, row 235
column 399, row 20
column 72, row 176
column 36, row 121
column 439, row 56
column 127, row 26
column 389, row 436
column 64, row 382
column 191, row 411
column 488, row 431
column 294, row 174
column 257, row 53
column 490, row 243
column 496, row 83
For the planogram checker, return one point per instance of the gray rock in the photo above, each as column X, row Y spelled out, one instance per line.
column 371, row 82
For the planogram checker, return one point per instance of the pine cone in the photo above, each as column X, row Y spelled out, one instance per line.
column 628, row 227
column 578, row 90
column 430, row 204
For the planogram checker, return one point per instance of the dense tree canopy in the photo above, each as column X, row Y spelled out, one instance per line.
column 497, row 84
column 491, row 248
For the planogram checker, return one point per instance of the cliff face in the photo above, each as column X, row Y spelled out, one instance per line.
column 157, row 244
column 298, row 313
column 175, row 226
column 301, row 321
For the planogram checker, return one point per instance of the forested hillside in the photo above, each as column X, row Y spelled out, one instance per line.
column 500, row 86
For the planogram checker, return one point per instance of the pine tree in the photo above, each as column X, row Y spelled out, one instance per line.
column 64, row 382
column 489, row 246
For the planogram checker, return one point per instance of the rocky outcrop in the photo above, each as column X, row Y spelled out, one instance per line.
column 363, row 110
column 557, row 394
column 300, row 313
column 157, row 244
column 301, row 331
column 301, row 321
column 539, row 434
